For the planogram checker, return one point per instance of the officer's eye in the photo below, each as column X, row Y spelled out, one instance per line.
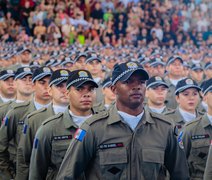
column 80, row 89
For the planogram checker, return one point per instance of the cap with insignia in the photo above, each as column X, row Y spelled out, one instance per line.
column 123, row 71
column 79, row 77
column 156, row 61
column 196, row 67
column 173, row 58
column 184, row 84
column 59, row 76
column 34, row 64
column 92, row 57
column 5, row 74
column 22, row 72
column 155, row 81
column 66, row 60
column 50, row 62
column 208, row 65
column 78, row 55
column 22, row 49
column 40, row 73
column 207, row 86
column 106, row 82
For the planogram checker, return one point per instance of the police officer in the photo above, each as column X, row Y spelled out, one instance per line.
column 197, row 73
column 13, row 122
column 125, row 142
column 174, row 68
column 208, row 70
column 187, row 96
column 157, row 67
column 196, row 137
column 57, row 90
column 79, row 61
column 54, row 136
column 156, row 92
column 109, row 96
column 7, row 88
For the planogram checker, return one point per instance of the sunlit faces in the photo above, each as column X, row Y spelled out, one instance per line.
column 41, row 90
column 25, row 86
column 80, row 63
column 156, row 95
column 197, row 75
column 130, row 93
column 7, row 88
column 175, row 68
column 95, row 67
column 188, row 99
column 58, row 94
column 25, row 57
column 81, row 98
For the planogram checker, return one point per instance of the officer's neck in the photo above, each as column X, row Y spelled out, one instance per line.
column 155, row 106
column 21, row 97
column 174, row 77
column 130, row 110
column 42, row 102
column 7, row 97
column 79, row 112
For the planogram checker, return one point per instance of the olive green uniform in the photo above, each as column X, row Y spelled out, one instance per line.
column 31, row 125
column 170, row 98
column 11, row 130
column 4, row 108
column 178, row 119
column 107, row 148
column 208, row 168
column 51, row 142
column 196, row 140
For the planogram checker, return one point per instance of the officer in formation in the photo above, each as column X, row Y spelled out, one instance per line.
column 13, row 121
column 125, row 142
column 54, row 136
column 57, row 90
column 196, row 137
column 187, row 97
column 7, row 87
column 156, row 92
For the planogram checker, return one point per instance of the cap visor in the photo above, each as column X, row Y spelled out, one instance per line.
column 153, row 85
column 187, row 87
column 22, row 75
column 80, row 83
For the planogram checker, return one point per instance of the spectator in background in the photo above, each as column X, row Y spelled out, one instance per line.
column 97, row 13
column 40, row 29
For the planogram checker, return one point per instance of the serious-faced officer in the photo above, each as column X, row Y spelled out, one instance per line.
column 54, row 136
column 12, row 124
column 157, row 67
column 208, row 70
column 196, row 137
column 125, row 142
column 7, row 88
column 187, row 97
column 109, row 96
column 79, row 61
column 197, row 73
column 57, row 90
column 174, row 68
column 156, row 92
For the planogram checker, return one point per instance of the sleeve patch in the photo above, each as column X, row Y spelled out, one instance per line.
column 25, row 128
column 180, row 140
column 5, row 121
column 80, row 134
column 36, row 143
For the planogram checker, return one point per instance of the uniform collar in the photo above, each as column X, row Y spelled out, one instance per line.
column 178, row 117
column 205, row 121
column 67, row 119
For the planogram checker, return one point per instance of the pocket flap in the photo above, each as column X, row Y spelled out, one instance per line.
column 153, row 155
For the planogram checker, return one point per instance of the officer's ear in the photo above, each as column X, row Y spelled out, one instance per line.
column 177, row 97
column 50, row 91
column 113, row 89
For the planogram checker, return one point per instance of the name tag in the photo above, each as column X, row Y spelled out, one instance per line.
column 21, row 122
column 111, row 145
column 204, row 136
column 64, row 137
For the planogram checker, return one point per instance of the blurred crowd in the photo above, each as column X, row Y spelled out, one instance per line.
column 161, row 23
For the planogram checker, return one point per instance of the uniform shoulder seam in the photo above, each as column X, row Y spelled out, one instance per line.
column 160, row 117
column 97, row 117
column 37, row 112
column 52, row 118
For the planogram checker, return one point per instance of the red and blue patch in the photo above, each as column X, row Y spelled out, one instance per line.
column 5, row 121
column 80, row 134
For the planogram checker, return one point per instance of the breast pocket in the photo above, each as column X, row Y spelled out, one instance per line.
column 59, row 149
column 113, row 163
column 152, row 165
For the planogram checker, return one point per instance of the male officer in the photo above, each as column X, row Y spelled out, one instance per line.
column 196, row 137
column 175, row 74
column 7, row 88
column 187, row 97
column 57, row 90
column 54, row 136
column 24, row 90
column 79, row 61
column 156, row 93
column 13, row 122
column 109, row 96
column 197, row 73
column 125, row 142
column 157, row 67
column 208, row 70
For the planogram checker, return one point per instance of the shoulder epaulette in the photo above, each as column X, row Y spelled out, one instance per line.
column 37, row 112
column 5, row 104
column 200, row 112
column 193, row 121
column 161, row 117
column 52, row 118
column 172, row 111
column 97, row 117
column 23, row 104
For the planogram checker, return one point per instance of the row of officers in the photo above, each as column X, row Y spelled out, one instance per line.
column 55, row 128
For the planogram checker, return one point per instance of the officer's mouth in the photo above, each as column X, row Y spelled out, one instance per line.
column 136, row 95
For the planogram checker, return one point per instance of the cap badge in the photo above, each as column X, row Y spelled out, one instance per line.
column 132, row 65
column 64, row 73
column 10, row 71
column 82, row 74
column 157, row 78
column 189, row 81
column 46, row 70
